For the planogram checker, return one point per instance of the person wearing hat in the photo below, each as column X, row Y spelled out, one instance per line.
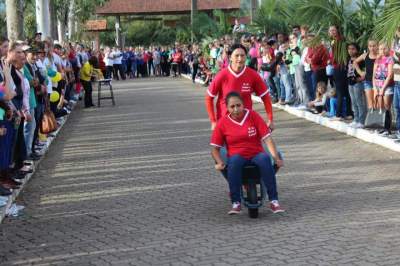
column 32, row 73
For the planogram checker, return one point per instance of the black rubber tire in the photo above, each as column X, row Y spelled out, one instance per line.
column 252, row 198
column 253, row 213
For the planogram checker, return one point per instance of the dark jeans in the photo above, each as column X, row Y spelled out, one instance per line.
column 310, row 88
column 342, row 92
column 39, row 110
column 317, row 76
column 267, row 174
column 194, row 73
column 118, row 68
column 150, row 67
column 396, row 103
column 87, row 86
column 109, row 71
column 19, row 150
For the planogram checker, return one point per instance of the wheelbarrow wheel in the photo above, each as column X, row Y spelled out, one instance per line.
column 252, row 198
column 253, row 213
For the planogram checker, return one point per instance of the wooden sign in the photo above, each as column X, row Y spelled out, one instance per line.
column 96, row 25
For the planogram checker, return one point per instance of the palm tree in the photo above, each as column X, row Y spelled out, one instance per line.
column 365, row 19
column 355, row 20
column 270, row 17
column 389, row 22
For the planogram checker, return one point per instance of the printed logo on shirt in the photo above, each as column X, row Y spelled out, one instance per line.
column 246, row 87
column 252, row 131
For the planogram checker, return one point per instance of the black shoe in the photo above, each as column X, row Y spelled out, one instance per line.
column 4, row 192
column 34, row 157
column 18, row 176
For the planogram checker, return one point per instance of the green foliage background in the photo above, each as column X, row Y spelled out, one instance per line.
column 358, row 20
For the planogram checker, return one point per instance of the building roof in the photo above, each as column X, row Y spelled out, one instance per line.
column 157, row 7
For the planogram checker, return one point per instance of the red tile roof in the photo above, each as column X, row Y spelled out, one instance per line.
column 142, row 7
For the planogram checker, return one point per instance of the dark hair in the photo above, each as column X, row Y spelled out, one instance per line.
column 236, row 46
column 271, row 42
column 57, row 46
column 296, row 27
column 355, row 45
column 232, row 95
column 94, row 61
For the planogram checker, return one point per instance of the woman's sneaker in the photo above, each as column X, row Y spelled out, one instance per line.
column 360, row 125
column 236, row 208
column 275, row 207
column 353, row 124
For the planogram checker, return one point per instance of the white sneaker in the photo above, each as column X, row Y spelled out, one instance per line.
column 236, row 208
column 359, row 125
column 353, row 124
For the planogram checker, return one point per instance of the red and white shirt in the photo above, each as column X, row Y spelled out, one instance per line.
column 243, row 138
column 245, row 83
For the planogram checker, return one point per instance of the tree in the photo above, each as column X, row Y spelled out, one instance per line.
column 270, row 17
column 388, row 23
column 15, row 19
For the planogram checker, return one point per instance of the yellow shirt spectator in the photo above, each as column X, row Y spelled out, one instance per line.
column 86, row 71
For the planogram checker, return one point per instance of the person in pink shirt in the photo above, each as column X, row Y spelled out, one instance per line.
column 383, row 81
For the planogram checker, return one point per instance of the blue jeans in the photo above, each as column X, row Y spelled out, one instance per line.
column 332, row 106
column 358, row 102
column 367, row 85
column 396, row 103
column 267, row 175
column 277, row 82
column 287, row 87
column 29, row 131
column 310, row 91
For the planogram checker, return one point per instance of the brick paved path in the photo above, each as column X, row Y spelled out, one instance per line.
column 134, row 185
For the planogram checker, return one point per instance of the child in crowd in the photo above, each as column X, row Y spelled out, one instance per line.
column 383, row 82
column 319, row 104
column 356, row 88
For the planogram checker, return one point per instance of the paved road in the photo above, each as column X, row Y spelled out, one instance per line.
column 134, row 185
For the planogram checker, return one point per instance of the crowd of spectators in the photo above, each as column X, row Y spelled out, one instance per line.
column 40, row 80
column 305, row 72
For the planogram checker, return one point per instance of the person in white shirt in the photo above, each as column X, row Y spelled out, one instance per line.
column 117, row 63
column 109, row 62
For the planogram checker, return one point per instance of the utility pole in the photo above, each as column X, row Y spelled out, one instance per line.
column 43, row 17
column 193, row 11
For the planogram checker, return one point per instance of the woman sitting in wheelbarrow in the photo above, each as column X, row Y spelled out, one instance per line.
column 243, row 131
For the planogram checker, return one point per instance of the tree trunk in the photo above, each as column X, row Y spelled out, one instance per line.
column 43, row 17
column 53, row 20
column 71, row 19
column 118, row 39
column 61, row 29
column 15, row 19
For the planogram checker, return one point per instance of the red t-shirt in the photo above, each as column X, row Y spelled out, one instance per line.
column 319, row 57
column 177, row 57
column 243, row 138
column 146, row 57
column 245, row 83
